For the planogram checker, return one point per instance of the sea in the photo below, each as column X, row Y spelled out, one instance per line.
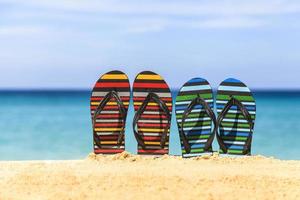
column 56, row 125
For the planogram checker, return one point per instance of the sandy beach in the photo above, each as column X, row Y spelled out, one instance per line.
column 125, row 176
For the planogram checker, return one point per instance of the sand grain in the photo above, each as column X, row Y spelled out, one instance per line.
column 126, row 176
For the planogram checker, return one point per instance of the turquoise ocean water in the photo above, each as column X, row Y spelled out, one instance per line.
column 57, row 125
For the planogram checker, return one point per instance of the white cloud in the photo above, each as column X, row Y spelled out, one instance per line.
column 21, row 30
column 180, row 8
column 145, row 28
column 157, row 25
column 153, row 16
column 228, row 23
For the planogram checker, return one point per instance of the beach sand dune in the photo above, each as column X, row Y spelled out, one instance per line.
column 125, row 176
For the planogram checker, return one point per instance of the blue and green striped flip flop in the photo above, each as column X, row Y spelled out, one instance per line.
column 195, row 116
column 236, row 110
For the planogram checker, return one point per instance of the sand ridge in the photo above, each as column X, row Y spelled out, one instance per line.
column 126, row 176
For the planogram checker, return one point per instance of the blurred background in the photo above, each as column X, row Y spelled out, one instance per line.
column 52, row 52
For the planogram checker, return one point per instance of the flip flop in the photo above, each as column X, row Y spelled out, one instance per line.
column 152, row 102
column 236, row 110
column 195, row 116
column 109, row 105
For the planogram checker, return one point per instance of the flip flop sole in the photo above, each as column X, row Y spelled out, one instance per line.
column 198, row 125
column 109, row 122
column 153, row 121
column 234, row 129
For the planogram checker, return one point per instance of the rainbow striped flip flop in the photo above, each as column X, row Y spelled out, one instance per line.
column 152, row 102
column 236, row 110
column 195, row 116
column 109, row 105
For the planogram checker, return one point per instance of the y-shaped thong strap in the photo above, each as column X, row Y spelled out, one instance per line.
column 233, row 101
column 197, row 101
column 140, row 111
column 122, row 110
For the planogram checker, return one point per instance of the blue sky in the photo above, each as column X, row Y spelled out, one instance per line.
column 68, row 44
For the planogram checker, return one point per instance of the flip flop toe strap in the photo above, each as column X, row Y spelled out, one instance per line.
column 233, row 101
column 141, row 110
column 197, row 101
column 122, row 110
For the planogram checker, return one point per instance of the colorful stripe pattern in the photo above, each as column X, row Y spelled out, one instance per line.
column 153, row 120
column 234, row 130
column 198, row 125
column 109, row 122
